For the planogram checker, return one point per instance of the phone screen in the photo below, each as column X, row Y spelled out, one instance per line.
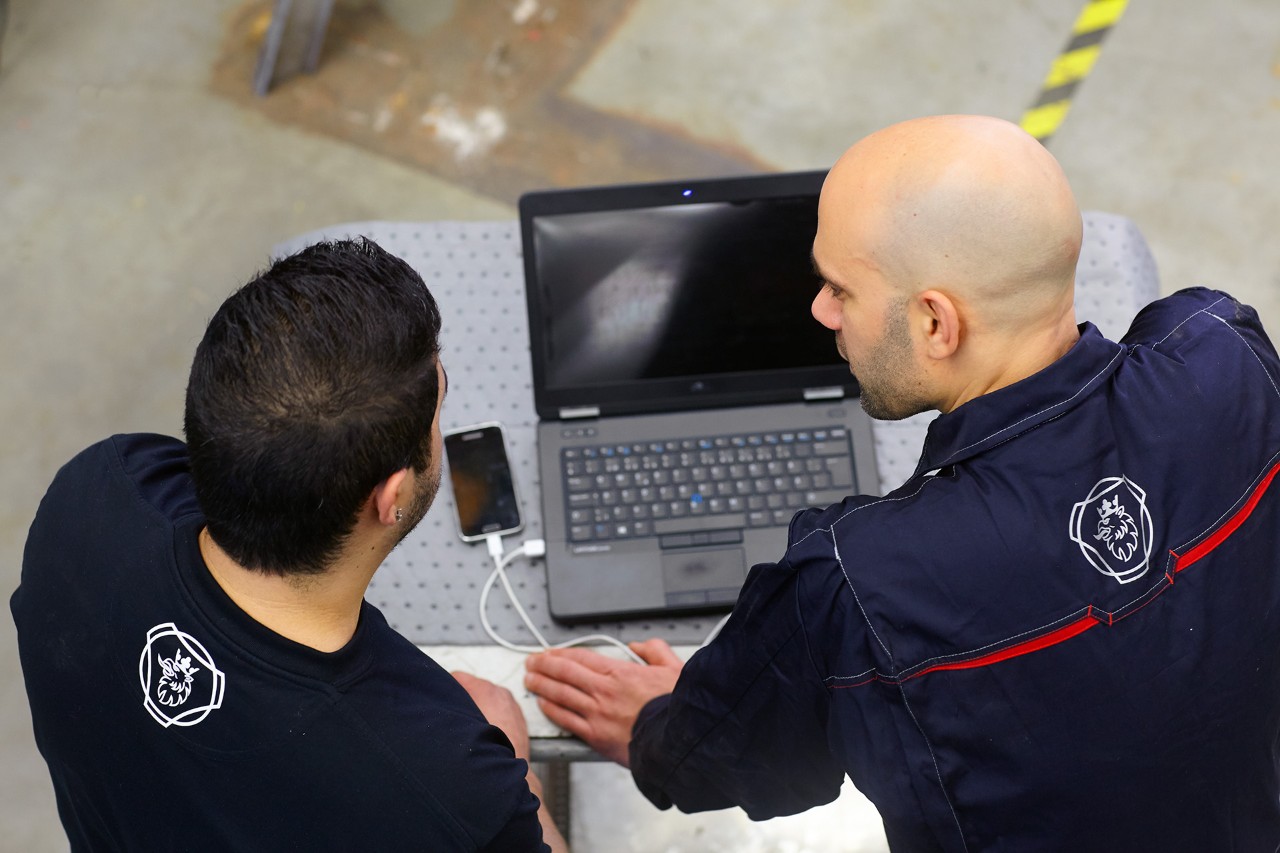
column 483, row 490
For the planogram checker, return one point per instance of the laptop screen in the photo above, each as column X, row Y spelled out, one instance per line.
column 654, row 297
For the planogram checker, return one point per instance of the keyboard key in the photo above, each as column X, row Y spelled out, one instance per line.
column 841, row 471
column 824, row 498
column 692, row 524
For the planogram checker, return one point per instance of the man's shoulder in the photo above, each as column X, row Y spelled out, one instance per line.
column 1186, row 315
column 149, row 468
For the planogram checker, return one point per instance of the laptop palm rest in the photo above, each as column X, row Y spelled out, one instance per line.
column 703, row 576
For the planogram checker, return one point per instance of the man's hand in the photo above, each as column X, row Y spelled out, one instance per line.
column 499, row 708
column 598, row 698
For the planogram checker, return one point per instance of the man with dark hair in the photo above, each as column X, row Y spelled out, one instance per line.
column 203, row 671
column 1063, row 631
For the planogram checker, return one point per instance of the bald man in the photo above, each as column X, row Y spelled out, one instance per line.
column 1063, row 631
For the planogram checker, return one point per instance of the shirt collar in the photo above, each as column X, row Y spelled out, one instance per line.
column 1000, row 415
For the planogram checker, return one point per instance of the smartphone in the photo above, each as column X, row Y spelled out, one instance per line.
column 484, row 491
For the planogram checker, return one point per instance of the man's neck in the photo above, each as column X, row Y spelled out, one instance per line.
column 320, row 611
column 1016, row 361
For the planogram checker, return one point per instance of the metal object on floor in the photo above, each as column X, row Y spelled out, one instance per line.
column 4, row 20
column 293, row 42
column 557, row 794
column 560, row 750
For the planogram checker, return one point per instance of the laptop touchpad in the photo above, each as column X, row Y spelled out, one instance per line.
column 705, row 576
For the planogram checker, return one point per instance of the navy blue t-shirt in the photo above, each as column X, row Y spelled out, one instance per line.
column 171, row 720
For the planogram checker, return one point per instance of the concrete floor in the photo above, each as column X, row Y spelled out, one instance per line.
column 134, row 198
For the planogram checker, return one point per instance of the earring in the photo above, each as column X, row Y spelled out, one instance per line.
column 399, row 514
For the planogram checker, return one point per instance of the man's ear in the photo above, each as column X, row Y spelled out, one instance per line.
column 391, row 497
column 940, row 323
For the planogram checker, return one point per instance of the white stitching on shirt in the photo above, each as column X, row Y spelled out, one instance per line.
column 835, row 549
column 1233, row 508
column 873, row 672
column 1063, row 402
column 831, row 528
column 1187, row 320
column 936, row 769
column 1251, row 350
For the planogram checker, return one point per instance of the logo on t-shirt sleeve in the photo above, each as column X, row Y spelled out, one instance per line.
column 1113, row 528
column 180, row 683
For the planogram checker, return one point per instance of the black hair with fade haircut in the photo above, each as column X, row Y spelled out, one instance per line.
column 314, row 382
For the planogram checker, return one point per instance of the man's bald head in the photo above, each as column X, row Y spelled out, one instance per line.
column 970, row 205
column 948, row 247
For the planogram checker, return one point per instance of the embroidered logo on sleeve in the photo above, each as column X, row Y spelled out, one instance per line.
column 180, row 683
column 1113, row 529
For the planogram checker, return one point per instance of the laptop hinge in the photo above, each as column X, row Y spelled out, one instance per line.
column 835, row 392
column 578, row 412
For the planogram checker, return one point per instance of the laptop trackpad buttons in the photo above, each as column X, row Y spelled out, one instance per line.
column 706, row 576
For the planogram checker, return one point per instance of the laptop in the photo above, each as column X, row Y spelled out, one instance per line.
column 688, row 403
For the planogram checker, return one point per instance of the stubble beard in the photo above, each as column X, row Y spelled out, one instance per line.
column 422, row 501
column 888, row 390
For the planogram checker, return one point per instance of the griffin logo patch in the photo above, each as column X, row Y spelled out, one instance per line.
column 180, row 684
column 1113, row 529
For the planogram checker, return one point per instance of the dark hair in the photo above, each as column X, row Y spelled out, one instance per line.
column 314, row 382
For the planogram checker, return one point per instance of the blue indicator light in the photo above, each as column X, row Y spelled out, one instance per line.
column 687, row 193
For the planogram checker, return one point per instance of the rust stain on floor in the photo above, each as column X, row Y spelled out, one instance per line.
column 477, row 100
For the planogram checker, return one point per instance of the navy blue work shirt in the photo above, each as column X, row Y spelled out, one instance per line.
column 1063, row 632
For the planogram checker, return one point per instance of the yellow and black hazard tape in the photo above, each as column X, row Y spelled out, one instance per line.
column 1073, row 64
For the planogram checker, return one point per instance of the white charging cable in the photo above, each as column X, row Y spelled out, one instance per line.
column 531, row 548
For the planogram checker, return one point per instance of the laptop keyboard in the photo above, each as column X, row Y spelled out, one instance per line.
column 703, row 490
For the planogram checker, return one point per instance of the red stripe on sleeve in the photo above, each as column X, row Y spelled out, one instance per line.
column 1220, row 535
column 1066, row 632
